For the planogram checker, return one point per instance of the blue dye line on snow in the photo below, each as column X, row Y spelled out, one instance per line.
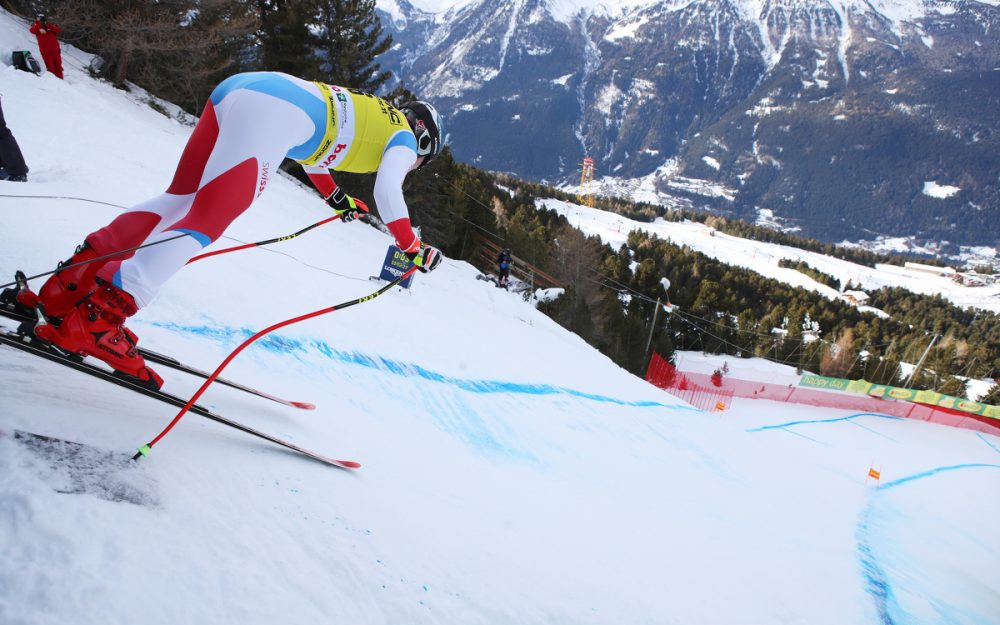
column 918, row 476
column 285, row 345
column 876, row 582
column 994, row 447
column 813, row 421
column 809, row 438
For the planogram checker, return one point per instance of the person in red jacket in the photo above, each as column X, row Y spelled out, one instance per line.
column 48, row 45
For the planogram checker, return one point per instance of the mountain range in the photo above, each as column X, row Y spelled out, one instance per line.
column 840, row 119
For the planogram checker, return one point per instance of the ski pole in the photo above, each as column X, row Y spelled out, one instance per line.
column 145, row 449
column 93, row 260
column 268, row 242
column 199, row 257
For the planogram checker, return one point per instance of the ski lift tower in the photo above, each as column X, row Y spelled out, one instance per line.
column 586, row 178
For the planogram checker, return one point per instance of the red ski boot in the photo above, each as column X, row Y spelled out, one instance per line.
column 95, row 327
column 66, row 287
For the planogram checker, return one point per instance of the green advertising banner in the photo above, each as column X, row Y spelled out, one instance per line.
column 906, row 394
column 931, row 398
column 821, row 381
column 859, row 386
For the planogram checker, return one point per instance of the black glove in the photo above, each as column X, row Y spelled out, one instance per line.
column 425, row 257
column 346, row 206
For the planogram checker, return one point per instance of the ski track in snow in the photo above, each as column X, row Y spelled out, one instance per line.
column 288, row 346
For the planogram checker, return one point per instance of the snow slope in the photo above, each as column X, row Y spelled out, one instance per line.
column 511, row 474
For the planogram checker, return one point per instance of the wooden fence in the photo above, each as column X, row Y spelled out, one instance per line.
column 524, row 271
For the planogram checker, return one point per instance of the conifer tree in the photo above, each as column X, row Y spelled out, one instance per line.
column 286, row 41
column 951, row 385
column 351, row 37
column 177, row 49
column 992, row 397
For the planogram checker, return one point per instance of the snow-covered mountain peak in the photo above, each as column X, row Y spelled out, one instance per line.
column 775, row 100
column 565, row 10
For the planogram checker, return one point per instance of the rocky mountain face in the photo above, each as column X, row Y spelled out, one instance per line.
column 844, row 119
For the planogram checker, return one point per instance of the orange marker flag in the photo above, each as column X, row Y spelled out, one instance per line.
column 873, row 473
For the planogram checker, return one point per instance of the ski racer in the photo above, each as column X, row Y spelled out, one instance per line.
column 251, row 122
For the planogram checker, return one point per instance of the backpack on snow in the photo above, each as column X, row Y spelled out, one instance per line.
column 23, row 61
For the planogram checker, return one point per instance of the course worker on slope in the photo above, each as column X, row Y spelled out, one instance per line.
column 48, row 44
column 251, row 122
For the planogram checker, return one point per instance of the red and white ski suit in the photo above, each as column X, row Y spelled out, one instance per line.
column 251, row 122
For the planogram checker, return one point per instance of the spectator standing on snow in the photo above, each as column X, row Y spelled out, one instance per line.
column 48, row 45
column 12, row 166
column 503, row 263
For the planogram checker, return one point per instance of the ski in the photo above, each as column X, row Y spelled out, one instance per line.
column 12, row 311
column 173, row 363
column 36, row 347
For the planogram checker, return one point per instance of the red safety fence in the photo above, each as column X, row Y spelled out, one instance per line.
column 664, row 375
column 703, row 397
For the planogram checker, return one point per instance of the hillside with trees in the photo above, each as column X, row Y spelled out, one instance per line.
column 611, row 295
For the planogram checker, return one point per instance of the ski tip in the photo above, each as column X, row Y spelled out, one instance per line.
column 303, row 405
column 349, row 464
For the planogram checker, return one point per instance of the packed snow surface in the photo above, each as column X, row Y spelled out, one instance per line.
column 511, row 474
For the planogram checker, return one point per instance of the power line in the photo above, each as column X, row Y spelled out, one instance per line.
column 618, row 287
column 473, row 224
column 62, row 197
column 227, row 237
